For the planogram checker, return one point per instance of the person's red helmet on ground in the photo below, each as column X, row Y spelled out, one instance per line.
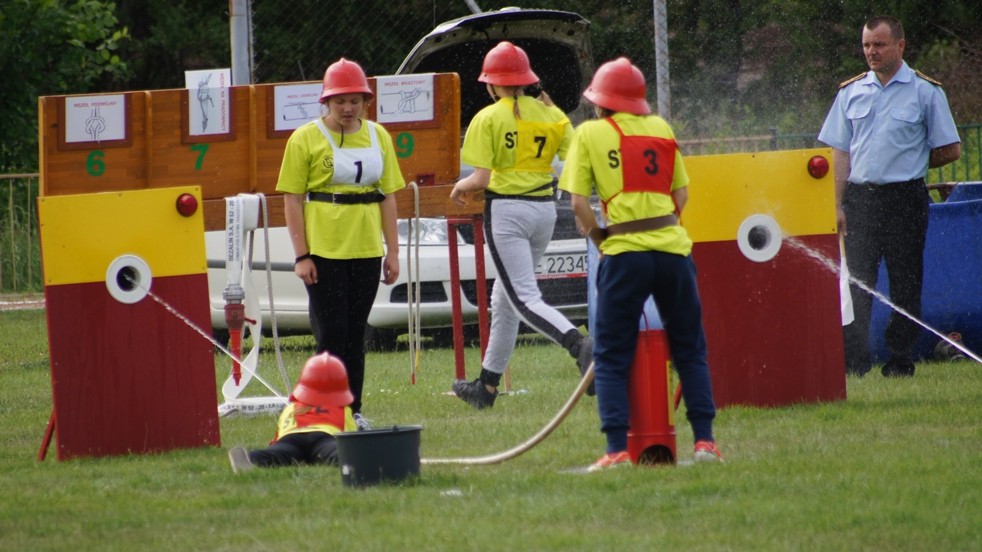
column 619, row 86
column 345, row 77
column 323, row 382
column 507, row 65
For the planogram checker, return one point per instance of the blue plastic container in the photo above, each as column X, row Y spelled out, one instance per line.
column 952, row 295
column 965, row 191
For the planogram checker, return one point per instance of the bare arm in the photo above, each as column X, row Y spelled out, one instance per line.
column 585, row 219
column 944, row 155
column 680, row 197
column 390, row 231
column 842, row 164
column 475, row 182
column 293, row 211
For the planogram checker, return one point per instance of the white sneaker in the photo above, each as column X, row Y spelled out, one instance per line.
column 363, row 423
column 239, row 458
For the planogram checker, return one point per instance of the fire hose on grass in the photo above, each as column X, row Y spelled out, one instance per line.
column 414, row 300
column 530, row 443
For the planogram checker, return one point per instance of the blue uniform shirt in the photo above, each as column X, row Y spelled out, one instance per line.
column 889, row 131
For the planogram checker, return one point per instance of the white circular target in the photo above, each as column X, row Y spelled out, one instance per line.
column 759, row 238
column 128, row 279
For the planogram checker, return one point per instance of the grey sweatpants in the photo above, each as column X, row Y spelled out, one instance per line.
column 519, row 232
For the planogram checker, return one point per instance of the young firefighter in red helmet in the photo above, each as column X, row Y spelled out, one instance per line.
column 338, row 178
column 633, row 161
column 318, row 410
column 511, row 144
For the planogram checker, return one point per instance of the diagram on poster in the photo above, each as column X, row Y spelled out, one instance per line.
column 405, row 98
column 95, row 118
column 208, row 105
column 295, row 104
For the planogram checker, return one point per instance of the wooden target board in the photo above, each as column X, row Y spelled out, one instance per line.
column 773, row 326
column 144, row 140
column 128, row 374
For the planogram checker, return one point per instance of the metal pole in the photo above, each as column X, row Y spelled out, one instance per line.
column 240, row 27
column 661, row 59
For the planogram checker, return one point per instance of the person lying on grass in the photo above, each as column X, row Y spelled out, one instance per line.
column 318, row 409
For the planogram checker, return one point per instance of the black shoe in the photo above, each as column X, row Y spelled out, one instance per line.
column 584, row 358
column 474, row 393
column 898, row 367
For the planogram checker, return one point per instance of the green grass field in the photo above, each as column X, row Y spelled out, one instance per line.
column 894, row 467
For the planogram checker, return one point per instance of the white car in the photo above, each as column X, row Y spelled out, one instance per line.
column 562, row 274
column 558, row 46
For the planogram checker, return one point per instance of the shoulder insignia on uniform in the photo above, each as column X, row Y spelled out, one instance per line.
column 927, row 78
column 847, row 82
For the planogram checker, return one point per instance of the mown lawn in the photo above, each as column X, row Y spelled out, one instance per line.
column 894, row 467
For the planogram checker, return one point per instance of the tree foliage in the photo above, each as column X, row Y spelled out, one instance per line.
column 737, row 66
column 51, row 47
column 172, row 37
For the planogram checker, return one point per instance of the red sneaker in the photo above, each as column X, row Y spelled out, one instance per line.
column 610, row 460
column 707, row 452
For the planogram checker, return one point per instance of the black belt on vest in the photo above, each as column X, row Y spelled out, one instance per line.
column 598, row 235
column 492, row 195
column 346, row 199
column 548, row 185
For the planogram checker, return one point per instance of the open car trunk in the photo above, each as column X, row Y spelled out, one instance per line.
column 557, row 43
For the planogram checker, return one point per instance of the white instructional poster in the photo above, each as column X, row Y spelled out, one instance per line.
column 208, row 105
column 405, row 98
column 95, row 118
column 295, row 104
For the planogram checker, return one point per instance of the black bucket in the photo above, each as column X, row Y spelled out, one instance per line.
column 377, row 455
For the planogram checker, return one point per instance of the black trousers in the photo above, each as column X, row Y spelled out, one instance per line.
column 885, row 223
column 339, row 305
column 314, row 447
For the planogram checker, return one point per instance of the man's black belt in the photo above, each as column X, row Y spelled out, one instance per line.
column 346, row 199
column 873, row 187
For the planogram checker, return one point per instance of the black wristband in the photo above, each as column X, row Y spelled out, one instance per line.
column 303, row 257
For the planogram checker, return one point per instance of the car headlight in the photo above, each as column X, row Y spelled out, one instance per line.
column 432, row 231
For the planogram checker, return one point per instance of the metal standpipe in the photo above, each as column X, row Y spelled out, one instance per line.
column 243, row 213
column 241, row 217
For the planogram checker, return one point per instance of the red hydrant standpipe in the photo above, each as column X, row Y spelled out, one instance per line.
column 651, row 439
column 234, row 320
column 236, row 224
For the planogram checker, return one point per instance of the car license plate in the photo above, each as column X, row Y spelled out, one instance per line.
column 571, row 265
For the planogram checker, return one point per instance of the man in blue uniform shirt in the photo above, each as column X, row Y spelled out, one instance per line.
column 886, row 127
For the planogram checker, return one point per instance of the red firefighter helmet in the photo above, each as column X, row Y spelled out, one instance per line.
column 507, row 65
column 619, row 86
column 345, row 77
column 323, row 382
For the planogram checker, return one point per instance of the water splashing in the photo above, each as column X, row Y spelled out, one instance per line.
column 834, row 268
column 204, row 334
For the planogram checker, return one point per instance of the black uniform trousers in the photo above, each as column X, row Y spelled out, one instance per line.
column 340, row 303
column 885, row 223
